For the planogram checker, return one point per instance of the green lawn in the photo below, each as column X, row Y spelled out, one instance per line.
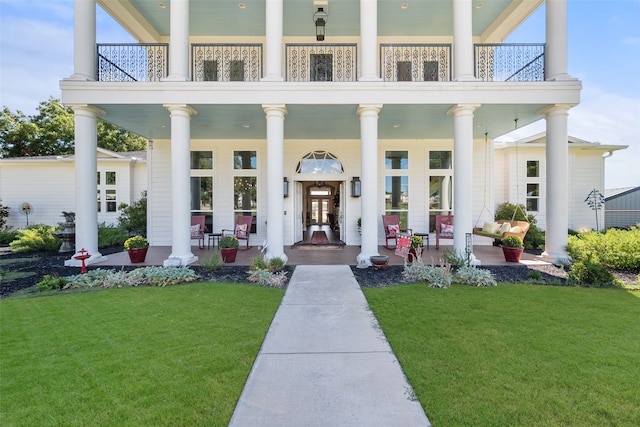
column 517, row 354
column 134, row 356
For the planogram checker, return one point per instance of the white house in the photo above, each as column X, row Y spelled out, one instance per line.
column 48, row 183
column 520, row 171
column 399, row 99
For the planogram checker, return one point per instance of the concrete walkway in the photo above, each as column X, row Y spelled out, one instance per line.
column 326, row 362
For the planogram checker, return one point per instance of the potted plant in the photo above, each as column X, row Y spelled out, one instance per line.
column 136, row 247
column 416, row 242
column 512, row 248
column 229, row 248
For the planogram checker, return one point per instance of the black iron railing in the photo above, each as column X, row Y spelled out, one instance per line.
column 213, row 62
column 415, row 62
column 321, row 62
column 132, row 62
column 509, row 62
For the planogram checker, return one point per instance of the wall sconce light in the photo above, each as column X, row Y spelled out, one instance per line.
column 356, row 187
column 320, row 19
column 285, row 187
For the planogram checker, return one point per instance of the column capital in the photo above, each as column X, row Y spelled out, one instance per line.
column 459, row 108
column 368, row 109
column 275, row 109
column 556, row 109
column 180, row 108
column 86, row 109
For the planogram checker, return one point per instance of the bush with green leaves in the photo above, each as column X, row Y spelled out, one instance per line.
column 111, row 235
column 35, row 238
column 133, row 218
column 468, row 275
column 144, row 276
column 434, row 276
column 7, row 235
column 213, row 263
column 589, row 273
column 4, row 214
column 268, row 272
column 613, row 248
column 51, row 283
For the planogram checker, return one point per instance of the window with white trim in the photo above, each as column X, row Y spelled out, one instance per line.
column 440, row 185
column 245, row 185
column 533, row 186
column 201, row 187
column 396, row 186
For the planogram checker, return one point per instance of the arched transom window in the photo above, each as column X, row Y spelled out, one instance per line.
column 321, row 162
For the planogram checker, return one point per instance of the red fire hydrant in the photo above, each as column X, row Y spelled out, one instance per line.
column 83, row 254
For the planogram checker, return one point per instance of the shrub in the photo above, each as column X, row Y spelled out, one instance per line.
column 134, row 218
column 467, row 275
column 213, row 263
column 535, row 275
column 456, row 259
column 228, row 242
column 613, row 248
column 136, row 242
column 4, row 213
column 51, row 283
column 145, row 276
column 268, row 278
column 512, row 242
column 589, row 273
column 433, row 276
column 7, row 235
column 35, row 238
column 512, row 212
column 111, row 235
column 416, row 241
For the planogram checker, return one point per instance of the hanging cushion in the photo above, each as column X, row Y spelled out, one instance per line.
column 393, row 229
column 516, row 229
column 446, row 228
column 506, row 226
column 491, row 227
column 241, row 229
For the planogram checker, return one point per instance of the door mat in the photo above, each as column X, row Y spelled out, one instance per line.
column 319, row 238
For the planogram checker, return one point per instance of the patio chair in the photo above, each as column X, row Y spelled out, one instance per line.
column 391, row 224
column 242, row 230
column 444, row 228
column 197, row 229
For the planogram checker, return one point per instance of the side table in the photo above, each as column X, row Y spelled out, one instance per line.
column 425, row 238
column 213, row 238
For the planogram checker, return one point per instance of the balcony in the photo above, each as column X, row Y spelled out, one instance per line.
column 132, row 62
column 320, row 62
column 226, row 62
column 415, row 62
column 509, row 62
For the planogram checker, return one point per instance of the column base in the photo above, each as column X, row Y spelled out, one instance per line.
column 179, row 260
column 559, row 258
column 94, row 258
column 272, row 78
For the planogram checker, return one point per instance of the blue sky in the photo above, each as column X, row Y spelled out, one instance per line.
column 36, row 52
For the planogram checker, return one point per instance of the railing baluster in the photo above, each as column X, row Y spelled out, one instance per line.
column 137, row 62
column 226, row 62
column 415, row 62
column 509, row 62
column 321, row 62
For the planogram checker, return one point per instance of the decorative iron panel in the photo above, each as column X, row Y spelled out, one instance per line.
column 132, row 62
column 415, row 62
column 509, row 62
column 321, row 62
column 226, row 62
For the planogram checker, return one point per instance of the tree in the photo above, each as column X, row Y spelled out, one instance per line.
column 51, row 132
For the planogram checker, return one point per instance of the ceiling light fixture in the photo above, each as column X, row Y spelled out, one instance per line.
column 162, row 5
column 242, row 5
column 404, row 6
column 479, row 5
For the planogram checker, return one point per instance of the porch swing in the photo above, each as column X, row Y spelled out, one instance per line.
column 503, row 227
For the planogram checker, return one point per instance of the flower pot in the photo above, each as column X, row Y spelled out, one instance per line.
column 379, row 261
column 229, row 254
column 512, row 254
column 137, row 254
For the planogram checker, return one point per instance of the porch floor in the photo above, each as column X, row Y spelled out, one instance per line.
column 324, row 255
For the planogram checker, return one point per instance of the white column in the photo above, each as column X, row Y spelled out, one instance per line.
column 462, row 174
column 462, row 40
column 86, row 165
column 274, row 16
column 84, row 40
column 557, row 158
column 368, row 40
column 556, row 34
column 369, row 178
column 180, row 185
column 275, row 175
column 179, row 36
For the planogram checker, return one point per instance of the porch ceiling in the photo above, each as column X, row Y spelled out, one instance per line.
column 433, row 18
column 319, row 121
